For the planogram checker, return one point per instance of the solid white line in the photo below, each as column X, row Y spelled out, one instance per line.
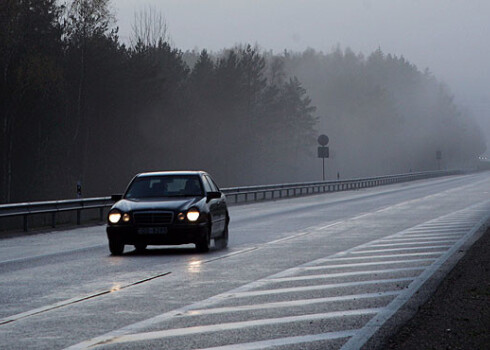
column 167, row 333
column 398, row 249
column 267, row 344
column 316, row 287
column 322, row 267
column 343, row 274
column 292, row 303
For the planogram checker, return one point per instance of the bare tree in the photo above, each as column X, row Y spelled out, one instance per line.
column 149, row 28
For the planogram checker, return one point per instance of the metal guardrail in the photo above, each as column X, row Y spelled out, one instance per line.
column 238, row 194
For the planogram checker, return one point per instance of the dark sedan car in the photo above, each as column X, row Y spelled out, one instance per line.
column 169, row 208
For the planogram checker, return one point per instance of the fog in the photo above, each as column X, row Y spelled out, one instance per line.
column 450, row 38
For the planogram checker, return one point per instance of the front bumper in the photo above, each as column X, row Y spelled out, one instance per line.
column 176, row 234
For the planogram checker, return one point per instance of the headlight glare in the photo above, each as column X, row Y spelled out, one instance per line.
column 193, row 215
column 114, row 216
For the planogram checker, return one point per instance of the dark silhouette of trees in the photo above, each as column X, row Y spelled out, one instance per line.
column 30, row 87
column 76, row 104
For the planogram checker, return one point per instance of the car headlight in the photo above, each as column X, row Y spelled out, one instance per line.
column 114, row 216
column 193, row 215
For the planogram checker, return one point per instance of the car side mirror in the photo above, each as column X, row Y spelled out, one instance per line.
column 213, row 195
column 116, row 197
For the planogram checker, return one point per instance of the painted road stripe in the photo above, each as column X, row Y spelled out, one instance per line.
column 321, row 261
column 322, row 267
column 177, row 332
column 419, row 239
column 398, row 249
column 412, row 243
column 292, row 303
column 267, row 344
column 343, row 274
column 316, row 287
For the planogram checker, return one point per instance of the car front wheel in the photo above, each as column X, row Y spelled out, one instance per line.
column 222, row 242
column 116, row 247
column 204, row 243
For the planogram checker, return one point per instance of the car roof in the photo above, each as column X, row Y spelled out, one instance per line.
column 164, row 173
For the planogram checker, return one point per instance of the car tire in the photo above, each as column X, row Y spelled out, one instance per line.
column 140, row 247
column 204, row 244
column 116, row 247
column 222, row 242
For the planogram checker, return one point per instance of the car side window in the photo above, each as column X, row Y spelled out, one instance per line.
column 206, row 184
column 213, row 184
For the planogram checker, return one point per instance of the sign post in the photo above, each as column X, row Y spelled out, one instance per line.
column 323, row 151
column 439, row 157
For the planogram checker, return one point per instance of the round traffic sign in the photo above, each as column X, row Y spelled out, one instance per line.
column 323, row 140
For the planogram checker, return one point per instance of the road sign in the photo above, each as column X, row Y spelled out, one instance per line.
column 323, row 140
column 323, row 152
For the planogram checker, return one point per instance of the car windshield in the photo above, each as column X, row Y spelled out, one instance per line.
column 165, row 186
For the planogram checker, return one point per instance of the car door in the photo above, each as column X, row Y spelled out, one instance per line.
column 214, row 210
column 221, row 207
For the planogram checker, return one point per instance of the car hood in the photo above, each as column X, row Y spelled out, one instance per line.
column 175, row 204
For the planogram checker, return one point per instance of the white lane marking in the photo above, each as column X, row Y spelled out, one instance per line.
column 413, row 243
column 360, row 338
column 316, row 287
column 399, row 249
column 420, row 239
column 390, row 262
column 343, row 274
column 292, row 303
column 321, row 261
column 441, row 231
column 176, row 332
column 267, row 344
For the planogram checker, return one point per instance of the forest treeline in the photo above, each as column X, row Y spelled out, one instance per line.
column 79, row 105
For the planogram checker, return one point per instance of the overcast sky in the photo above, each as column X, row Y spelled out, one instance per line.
column 450, row 37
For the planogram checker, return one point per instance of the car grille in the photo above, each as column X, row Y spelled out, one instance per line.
column 153, row 217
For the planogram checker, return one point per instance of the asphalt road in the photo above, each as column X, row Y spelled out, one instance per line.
column 317, row 272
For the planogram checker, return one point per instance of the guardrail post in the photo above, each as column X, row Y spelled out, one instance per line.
column 53, row 219
column 79, row 214
column 25, row 223
column 101, row 214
